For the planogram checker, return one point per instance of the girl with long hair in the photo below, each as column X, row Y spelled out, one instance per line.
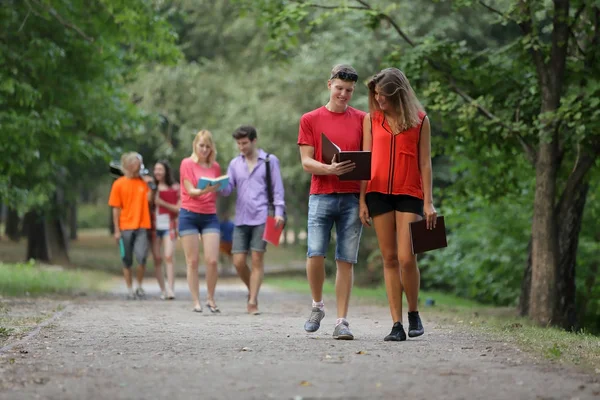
column 198, row 216
column 398, row 133
column 166, row 202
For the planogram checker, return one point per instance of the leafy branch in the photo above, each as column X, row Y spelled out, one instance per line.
column 365, row 6
column 63, row 21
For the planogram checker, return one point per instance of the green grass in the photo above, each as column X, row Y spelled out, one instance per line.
column 30, row 279
column 581, row 349
column 376, row 294
column 499, row 323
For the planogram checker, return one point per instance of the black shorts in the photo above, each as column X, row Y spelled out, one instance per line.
column 380, row 203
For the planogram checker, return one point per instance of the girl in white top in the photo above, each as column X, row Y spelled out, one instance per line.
column 166, row 209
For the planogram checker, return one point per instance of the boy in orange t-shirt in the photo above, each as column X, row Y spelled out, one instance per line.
column 129, row 197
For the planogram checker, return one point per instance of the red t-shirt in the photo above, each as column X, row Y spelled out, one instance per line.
column 395, row 159
column 192, row 171
column 345, row 130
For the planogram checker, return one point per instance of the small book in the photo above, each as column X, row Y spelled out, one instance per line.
column 170, row 196
column 272, row 233
column 362, row 160
column 423, row 239
column 222, row 181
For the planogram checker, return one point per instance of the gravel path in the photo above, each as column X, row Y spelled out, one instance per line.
column 109, row 348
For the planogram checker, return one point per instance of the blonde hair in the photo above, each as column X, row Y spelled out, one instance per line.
column 205, row 135
column 394, row 85
column 126, row 160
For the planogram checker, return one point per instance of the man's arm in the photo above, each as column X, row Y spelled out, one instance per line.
column 312, row 166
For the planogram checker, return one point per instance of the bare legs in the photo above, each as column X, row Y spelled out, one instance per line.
column 315, row 272
column 191, row 247
column 252, row 278
column 411, row 277
column 128, row 277
column 211, row 256
column 400, row 269
column 158, row 263
column 169, row 248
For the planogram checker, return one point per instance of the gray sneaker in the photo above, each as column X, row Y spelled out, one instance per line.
column 314, row 321
column 139, row 293
column 342, row 331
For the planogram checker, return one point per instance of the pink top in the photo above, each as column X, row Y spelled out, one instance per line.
column 192, row 171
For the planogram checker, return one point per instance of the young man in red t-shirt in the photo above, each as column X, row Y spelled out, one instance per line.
column 331, row 200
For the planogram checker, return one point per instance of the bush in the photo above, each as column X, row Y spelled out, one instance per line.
column 93, row 216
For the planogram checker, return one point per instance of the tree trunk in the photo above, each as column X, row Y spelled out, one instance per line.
column 46, row 239
column 570, row 218
column 73, row 219
column 544, row 244
column 12, row 230
column 523, row 307
column 37, row 244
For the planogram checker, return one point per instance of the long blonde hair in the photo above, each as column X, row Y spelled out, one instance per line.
column 205, row 135
column 394, row 85
column 126, row 160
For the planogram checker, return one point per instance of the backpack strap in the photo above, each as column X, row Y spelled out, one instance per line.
column 269, row 184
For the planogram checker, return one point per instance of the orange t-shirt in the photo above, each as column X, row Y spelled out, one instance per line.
column 395, row 159
column 131, row 196
column 344, row 129
column 192, row 171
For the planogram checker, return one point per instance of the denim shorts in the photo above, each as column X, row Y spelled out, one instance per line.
column 323, row 211
column 161, row 233
column 248, row 238
column 191, row 223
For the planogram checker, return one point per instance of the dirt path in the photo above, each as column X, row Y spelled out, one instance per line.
column 109, row 348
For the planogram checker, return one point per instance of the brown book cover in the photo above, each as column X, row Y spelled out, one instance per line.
column 423, row 239
column 362, row 160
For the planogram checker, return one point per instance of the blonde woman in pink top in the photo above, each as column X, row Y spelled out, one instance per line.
column 198, row 216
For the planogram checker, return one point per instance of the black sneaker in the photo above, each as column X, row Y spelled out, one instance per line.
column 415, row 328
column 397, row 334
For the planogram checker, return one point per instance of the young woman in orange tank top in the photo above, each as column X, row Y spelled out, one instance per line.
column 397, row 132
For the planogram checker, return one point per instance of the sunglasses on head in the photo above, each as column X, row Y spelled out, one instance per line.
column 345, row 76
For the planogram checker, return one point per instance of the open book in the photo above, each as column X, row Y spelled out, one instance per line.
column 222, row 181
column 362, row 160
column 423, row 239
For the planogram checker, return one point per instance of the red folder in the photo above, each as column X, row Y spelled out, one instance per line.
column 272, row 232
column 170, row 196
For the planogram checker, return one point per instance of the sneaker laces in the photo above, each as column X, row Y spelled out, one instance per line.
column 315, row 317
column 413, row 321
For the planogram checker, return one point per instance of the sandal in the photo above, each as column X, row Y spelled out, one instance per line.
column 197, row 309
column 213, row 309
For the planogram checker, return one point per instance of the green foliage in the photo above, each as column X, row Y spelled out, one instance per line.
column 62, row 98
column 487, row 250
column 32, row 280
column 93, row 216
column 473, row 65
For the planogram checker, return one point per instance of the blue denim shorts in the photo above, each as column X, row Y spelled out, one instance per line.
column 191, row 223
column 248, row 238
column 323, row 211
